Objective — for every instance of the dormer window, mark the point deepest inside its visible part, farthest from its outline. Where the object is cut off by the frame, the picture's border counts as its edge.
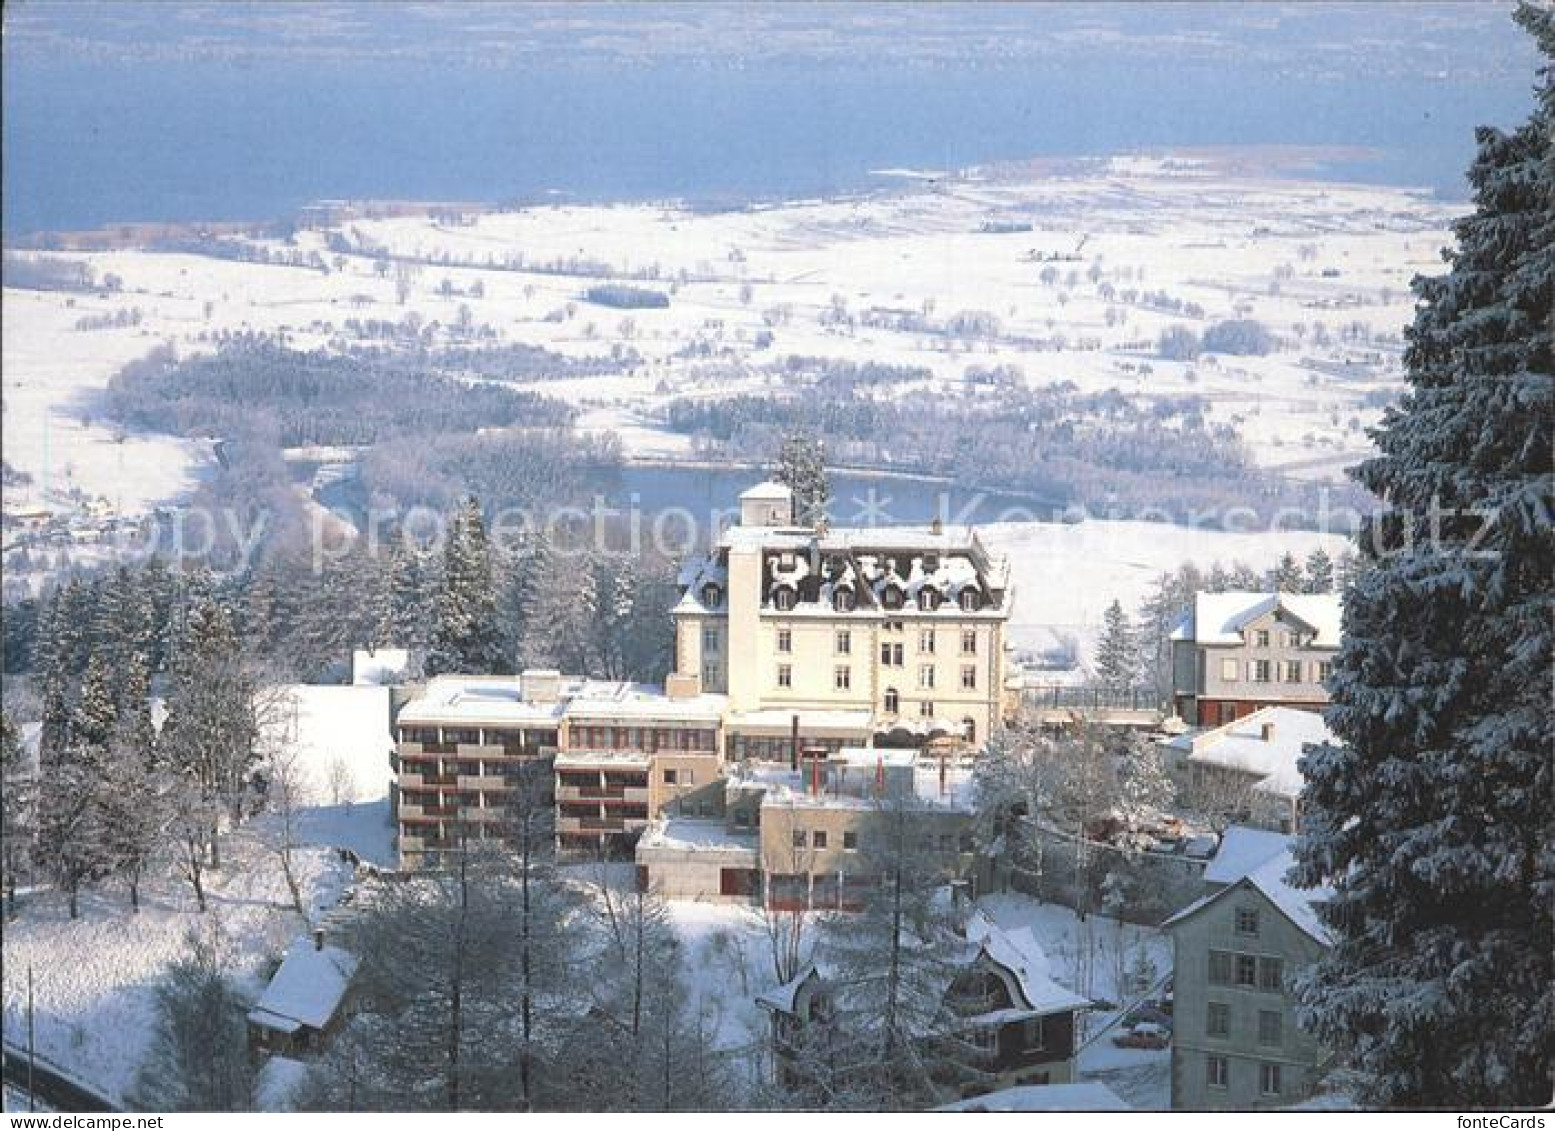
(971, 600)
(783, 598)
(928, 599)
(712, 596)
(892, 597)
(844, 601)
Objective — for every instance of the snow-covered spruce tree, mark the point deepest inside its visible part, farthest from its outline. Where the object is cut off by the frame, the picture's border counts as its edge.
(465, 635)
(211, 734)
(801, 467)
(198, 1060)
(904, 1044)
(1286, 577)
(1320, 572)
(18, 814)
(1117, 654)
(1432, 820)
(454, 971)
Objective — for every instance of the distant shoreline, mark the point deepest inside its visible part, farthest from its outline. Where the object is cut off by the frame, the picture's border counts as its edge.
(1260, 161)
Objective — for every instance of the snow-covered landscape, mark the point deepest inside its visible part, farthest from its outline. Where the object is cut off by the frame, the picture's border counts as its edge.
(786, 558)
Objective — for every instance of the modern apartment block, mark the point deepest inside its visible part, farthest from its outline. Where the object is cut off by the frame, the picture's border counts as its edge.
(1234, 653)
(884, 636)
(473, 751)
(1235, 1041)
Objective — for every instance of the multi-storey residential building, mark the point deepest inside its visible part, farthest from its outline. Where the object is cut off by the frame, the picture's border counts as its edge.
(879, 636)
(1233, 653)
(627, 753)
(1248, 770)
(472, 751)
(1235, 1042)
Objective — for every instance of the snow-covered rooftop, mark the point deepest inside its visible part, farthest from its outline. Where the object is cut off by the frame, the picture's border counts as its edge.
(643, 701)
(1219, 618)
(307, 989)
(497, 700)
(1086, 1095)
(852, 786)
(276, 1086)
(381, 667)
(769, 491)
(1242, 850)
(677, 834)
(1270, 878)
(1268, 743)
(501, 700)
(1018, 951)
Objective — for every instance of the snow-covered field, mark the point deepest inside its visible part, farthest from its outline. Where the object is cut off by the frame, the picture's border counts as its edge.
(1324, 266)
(1065, 575)
(94, 978)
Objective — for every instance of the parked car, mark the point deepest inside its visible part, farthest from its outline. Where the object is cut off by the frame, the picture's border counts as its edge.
(1147, 1013)
(1145, 1035)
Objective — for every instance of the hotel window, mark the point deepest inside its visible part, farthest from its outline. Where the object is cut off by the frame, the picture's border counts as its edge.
(1269, 1079)
(842, 679)
(1261, 638)
(1260, 671)
(969, 641)
(785, 640)
(968, 677)
(844, 643)
(891, 655)
(1217, 1072)
(709, 640)
(926, 676)
(1228, 671)
(1247, 920)
(818, 839)
(926, 641)
(1270, 1028)
(1218, 1022)
(785, 676)
(926, 708)
(893, 701)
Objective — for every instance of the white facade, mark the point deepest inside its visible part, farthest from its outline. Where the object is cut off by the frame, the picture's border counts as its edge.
(896, 633)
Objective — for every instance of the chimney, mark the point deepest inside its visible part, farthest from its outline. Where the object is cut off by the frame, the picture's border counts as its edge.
(318, 939)
(681, 686)
(1268, 732)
